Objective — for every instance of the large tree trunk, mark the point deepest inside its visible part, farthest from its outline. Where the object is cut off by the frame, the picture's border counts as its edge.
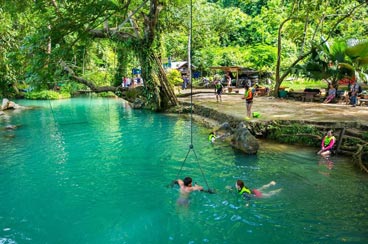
(166, 89)
(159, 93)
(278, 63)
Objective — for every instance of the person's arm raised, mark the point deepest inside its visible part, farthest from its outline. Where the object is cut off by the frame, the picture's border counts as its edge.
(180, 182)
(197, 188)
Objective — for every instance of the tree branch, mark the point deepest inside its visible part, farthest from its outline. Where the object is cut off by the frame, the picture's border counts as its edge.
(88, 83)
(302, 56)
(121, 36)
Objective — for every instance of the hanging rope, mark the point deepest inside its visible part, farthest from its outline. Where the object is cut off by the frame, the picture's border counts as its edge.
(191, 147)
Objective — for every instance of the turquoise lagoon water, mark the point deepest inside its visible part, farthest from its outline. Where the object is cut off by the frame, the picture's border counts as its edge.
(92, 170)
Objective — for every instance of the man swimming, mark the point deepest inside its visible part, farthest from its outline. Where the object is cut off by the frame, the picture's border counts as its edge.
(185, 189)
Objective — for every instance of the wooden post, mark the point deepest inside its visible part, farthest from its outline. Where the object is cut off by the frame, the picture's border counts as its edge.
(342, 132)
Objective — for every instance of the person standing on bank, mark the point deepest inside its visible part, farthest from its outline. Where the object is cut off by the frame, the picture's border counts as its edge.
(248, 96)
(218, 90)
(327, 144)
(354, 90)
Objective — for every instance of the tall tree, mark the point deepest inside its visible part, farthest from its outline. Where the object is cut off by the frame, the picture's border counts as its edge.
(312, 22)
(65, 28)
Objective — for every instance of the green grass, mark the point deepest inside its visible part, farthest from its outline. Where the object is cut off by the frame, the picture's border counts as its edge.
(301, 84)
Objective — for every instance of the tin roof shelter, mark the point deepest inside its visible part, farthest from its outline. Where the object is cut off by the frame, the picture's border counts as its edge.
(236, 69)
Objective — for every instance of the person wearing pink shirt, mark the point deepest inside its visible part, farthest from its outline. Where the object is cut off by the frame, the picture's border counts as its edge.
(327, 144)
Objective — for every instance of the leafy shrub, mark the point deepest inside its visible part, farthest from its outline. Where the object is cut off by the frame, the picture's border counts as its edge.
(70, 87)
(295, 134)
(46, 95)
(174, 77)
(131, 94)
(106, 94)
(100, 77)
(365, 135)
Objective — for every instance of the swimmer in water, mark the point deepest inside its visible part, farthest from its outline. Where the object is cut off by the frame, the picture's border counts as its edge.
(186, 188)
(212, 137)
(247, 193)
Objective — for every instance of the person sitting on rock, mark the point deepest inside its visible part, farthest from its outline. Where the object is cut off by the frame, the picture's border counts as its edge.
(327, 144)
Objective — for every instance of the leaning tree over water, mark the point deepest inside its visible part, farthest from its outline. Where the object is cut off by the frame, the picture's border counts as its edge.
(62, 34)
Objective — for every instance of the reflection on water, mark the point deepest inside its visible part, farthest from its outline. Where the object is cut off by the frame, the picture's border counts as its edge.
(95, 171)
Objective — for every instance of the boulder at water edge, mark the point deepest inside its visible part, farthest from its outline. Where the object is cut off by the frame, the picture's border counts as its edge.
(6, 104)
(138, 103)
(244, 140)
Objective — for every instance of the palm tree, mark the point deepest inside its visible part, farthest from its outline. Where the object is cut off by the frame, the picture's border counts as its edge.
(340, 59)
(357, 51)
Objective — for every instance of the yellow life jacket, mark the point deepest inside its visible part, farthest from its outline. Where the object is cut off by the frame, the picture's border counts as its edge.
(211, 136)
(248, 94)
(245, 190)
(327, 140)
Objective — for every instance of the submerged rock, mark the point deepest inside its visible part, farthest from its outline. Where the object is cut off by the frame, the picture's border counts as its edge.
(10, 127)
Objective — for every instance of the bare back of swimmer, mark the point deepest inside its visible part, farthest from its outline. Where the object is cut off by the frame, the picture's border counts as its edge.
(185, 189)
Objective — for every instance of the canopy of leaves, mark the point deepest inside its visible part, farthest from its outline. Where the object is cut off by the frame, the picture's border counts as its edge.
(97, 40)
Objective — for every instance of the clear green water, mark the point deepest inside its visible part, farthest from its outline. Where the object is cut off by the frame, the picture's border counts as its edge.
(95, 171)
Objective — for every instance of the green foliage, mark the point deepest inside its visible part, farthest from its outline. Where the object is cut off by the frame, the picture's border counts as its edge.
(218, 56)
(365, 136)
(106, 94)
(310, 24)
(252, 7)
(351, 141)
(301, 84)
(174, 77)
(36, 36)
(69, 87)
(263, 56)
(99, 77)
(336, 59)
(9, 60)
(46, 95)
(132, 94)
(295, 134)
(197, 82)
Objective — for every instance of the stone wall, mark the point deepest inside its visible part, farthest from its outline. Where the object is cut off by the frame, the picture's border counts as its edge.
(351, 137)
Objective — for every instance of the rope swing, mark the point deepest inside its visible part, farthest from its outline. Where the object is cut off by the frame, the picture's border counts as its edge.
(191, 147)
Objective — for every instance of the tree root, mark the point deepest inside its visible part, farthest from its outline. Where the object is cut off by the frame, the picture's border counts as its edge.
(357, 157)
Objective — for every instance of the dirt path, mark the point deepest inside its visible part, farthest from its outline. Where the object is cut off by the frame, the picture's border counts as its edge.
(279, 109)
